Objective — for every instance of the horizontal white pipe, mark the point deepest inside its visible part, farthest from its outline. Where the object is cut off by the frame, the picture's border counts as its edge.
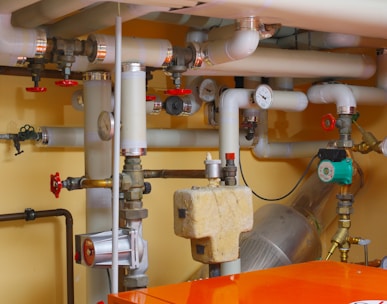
(382, 70)
(147, 51)
(20, 42)
(156, 138)
(265, 149)
(358, 17)
(288, 101)
(271, 62)
(242, 44)
(369, 95)
(324, 40)
(339, 94)
(96, 18)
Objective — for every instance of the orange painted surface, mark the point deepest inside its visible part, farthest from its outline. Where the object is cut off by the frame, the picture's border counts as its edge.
(312, 282)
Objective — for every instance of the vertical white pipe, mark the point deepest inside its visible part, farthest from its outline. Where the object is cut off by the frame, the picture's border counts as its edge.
(230, 102)
(133, 116)
(98, 165)
(116, 156)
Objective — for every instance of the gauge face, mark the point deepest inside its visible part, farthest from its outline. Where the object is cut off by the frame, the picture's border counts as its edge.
(207, 90)
(263, 96)
(326, 171)
(105, 125)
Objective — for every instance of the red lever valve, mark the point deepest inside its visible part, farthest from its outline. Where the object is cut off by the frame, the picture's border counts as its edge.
(178, 92)
(55, 184)
(328, 122)
(36, 89)
(66, 83)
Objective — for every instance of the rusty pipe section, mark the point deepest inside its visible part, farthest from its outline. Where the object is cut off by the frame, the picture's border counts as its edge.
(29, 215)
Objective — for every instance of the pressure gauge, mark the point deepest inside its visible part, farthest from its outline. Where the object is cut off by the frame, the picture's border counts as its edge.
(106, 125)
(207, 90)
(263, 96)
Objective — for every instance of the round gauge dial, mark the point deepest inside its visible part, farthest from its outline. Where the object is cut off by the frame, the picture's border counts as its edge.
(263, 96)
(207, 90)
(326, 171)
(106, 125)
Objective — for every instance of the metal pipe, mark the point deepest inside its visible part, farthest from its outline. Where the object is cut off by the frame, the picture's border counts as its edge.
(31, 214)
(174, 173)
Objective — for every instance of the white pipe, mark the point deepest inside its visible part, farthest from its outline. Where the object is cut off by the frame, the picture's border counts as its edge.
(116, 156)
(323, 40)
(333, 93)
(61, 137)
(243, 43)
(264, 149)
(133, 116)
(294, 63)
(96, 18)
(369, 95)
(98, 165)
(149, 52)
(20, 42)
(358, 17)
(230, 102)
(288, 101)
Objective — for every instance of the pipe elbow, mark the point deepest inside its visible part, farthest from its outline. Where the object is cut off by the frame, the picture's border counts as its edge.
(339, 94)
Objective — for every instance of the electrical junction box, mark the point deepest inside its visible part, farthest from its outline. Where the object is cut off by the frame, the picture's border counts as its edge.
(213, 218)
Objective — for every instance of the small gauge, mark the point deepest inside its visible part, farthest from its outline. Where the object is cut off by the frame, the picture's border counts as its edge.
(326, 171)
(106, 125)
(263, 96)
(207, 90)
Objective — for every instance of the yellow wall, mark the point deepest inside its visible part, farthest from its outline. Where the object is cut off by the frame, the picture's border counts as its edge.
(32, 255)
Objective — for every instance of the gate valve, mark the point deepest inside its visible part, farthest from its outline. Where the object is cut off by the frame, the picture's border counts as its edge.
(66, 83)
(177, 92)
(55, 184)
(328, 122)
(36, 89)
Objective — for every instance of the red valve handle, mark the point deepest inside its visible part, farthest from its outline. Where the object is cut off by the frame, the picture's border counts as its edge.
(178, 92)
(150, 97)
(328, 122)
(66, 83)
(55, 184)
(36, 89)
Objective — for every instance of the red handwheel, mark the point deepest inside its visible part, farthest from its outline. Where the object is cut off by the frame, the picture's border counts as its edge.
(66, 83)
(328, 122)
(55, 184)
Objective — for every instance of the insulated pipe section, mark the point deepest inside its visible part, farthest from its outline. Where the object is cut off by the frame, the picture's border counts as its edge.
(148, 52)
(133, 113)
(230, 102)
(62, 137)
(242, 44)
(17, 42)
(294, 63)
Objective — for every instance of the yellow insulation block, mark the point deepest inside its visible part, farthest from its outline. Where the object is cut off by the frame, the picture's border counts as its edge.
(213, 218)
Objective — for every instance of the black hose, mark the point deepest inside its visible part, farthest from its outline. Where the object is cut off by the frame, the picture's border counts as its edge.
(31, 214)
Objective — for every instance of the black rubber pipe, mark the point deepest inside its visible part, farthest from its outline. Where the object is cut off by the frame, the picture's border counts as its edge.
(31, 214)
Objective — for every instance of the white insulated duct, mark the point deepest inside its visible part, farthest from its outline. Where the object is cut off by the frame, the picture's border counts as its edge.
(324, 40)
(346, 96)
(96, 18)
(98, 165)
(357, 17)
(242, 44)
(16, 42)
(270, 62)
(9, 6)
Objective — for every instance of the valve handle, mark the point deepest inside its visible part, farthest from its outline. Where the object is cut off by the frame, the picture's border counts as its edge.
(150, 97)
(66, 83)
(36, 89)
(328, 122)
(55, 184)
(176, 92)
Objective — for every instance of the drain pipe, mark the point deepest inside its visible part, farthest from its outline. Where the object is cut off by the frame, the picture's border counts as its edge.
(30, 215)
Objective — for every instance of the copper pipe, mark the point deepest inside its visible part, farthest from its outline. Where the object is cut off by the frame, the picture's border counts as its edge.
(96, 183)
